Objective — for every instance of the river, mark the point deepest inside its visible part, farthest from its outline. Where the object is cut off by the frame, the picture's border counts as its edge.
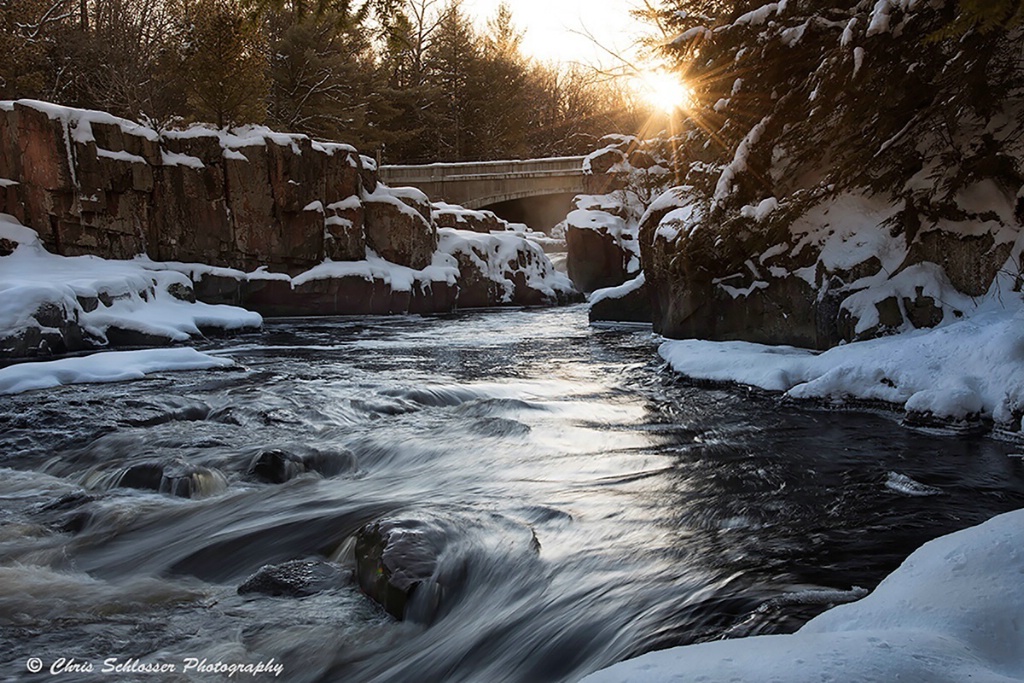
(587, 505)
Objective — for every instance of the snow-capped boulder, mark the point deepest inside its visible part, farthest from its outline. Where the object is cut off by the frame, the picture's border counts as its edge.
(602, 250)
(629, 302)
(458, 217)
(499, 268)
(399, 226)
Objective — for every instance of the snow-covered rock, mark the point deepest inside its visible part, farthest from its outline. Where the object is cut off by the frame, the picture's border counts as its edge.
(92, 183)
(459, 217)
(623, 176)
(628, 302)
(503, 269)
(964, 371)
(950, 613)
(848, 266)
(52, 304)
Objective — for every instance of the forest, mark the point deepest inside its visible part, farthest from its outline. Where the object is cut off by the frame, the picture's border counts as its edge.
(417, 80)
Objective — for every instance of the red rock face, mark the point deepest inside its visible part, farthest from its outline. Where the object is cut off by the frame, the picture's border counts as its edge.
(88, 183)
(399, 228)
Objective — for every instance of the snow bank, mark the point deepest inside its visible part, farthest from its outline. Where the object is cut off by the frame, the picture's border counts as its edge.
(99, 295)
(619, 292)
(950, 613)
(970, 368)
(109, 366)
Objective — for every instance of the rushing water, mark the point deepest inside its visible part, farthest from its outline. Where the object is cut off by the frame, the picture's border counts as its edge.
(665, 512)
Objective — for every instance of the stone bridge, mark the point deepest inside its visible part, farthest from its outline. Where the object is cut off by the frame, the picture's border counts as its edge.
(480, 184)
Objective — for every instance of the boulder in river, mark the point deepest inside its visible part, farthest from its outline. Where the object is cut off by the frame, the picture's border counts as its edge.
(276, 465)
(177, 478)
(392, 559)
(629, 302)
(295, 579)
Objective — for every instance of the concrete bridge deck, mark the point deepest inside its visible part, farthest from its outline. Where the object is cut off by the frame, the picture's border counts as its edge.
(480, 184)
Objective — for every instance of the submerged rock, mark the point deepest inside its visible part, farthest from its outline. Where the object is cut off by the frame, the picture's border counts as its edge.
(278, 466)
(393, 559)
(419, 567)
(177, 478)
(68, 514)
(295, 579)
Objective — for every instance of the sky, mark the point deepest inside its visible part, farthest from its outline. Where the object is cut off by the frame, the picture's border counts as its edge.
(549, 26)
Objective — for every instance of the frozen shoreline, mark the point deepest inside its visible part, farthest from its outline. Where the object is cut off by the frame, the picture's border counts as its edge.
(949, 613)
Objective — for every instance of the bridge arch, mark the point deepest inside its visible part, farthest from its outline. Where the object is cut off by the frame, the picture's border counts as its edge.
(489, 184)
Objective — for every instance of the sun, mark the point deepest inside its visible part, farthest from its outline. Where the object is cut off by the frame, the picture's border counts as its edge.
(665, 91)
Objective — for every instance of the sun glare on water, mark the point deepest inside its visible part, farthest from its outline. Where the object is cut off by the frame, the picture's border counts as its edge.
(665, 91)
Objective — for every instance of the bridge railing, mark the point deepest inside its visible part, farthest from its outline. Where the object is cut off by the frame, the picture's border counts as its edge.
(442, 172)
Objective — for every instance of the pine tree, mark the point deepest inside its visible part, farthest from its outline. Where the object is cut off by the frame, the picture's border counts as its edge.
(797, 99)
(223, 69)
(320, 73)
(453, 56)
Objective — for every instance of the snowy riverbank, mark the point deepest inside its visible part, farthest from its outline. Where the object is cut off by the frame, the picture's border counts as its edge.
(50, 303)
(961, 372)
(950, 613)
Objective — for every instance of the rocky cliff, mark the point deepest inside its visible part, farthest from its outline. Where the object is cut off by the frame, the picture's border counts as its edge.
(280, 224)
(871, 186)
(90, 183)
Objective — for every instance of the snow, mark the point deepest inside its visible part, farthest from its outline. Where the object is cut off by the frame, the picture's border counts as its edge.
(950, 613)
(394, 196)
(762, 210)
(119, 156)
(128, 295)
(109, 366)
(849, 229)
(847, 36)
(858, 60)
(80, 121)
(681, 221)
(399, 278)
(618, 292)
(972, 367)
(740, 161)
(347, 204)
(879, 22)
(760, 15)
(176, 159)
(587, 219)
(464, 216)
(692, 34)
(791, 37)
(499, 255)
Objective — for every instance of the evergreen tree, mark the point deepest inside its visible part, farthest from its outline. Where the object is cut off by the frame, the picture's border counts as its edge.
(798, 100)
(452, 63)
(320, 73)
(223, 68)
